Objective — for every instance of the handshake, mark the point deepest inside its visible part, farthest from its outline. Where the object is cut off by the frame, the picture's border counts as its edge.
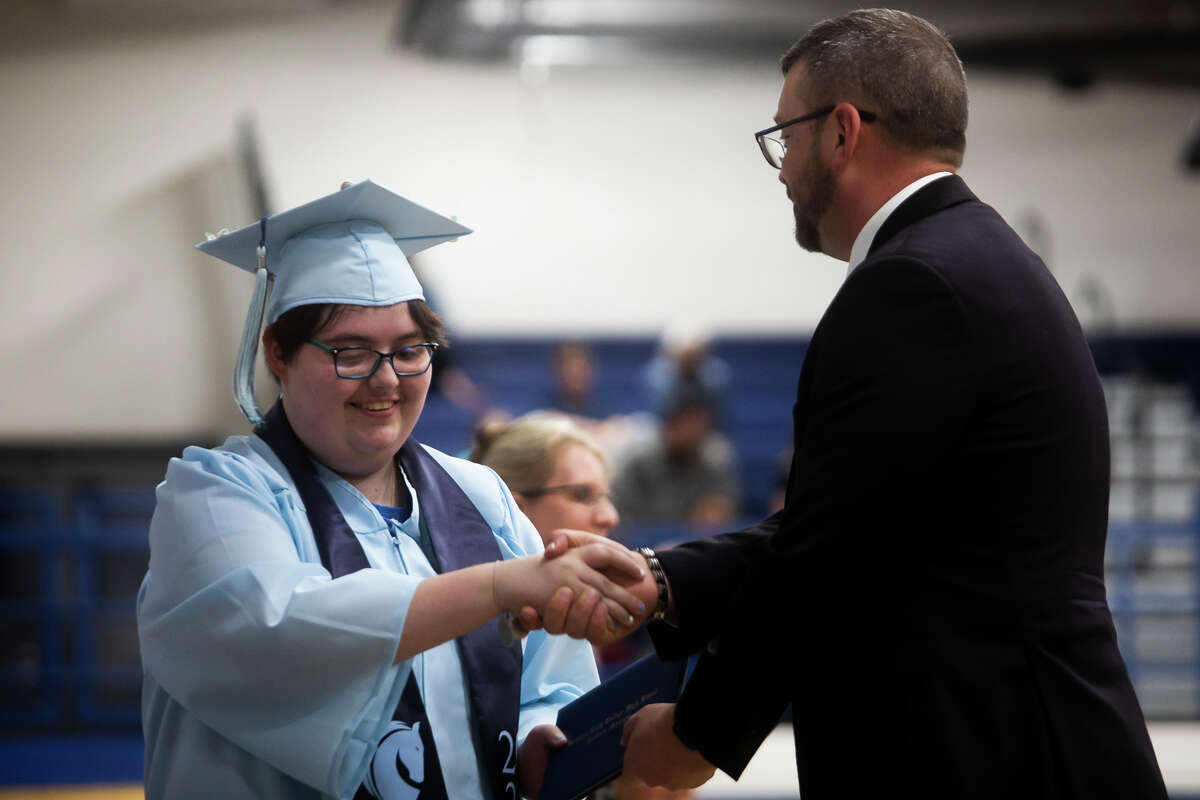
(585, 586)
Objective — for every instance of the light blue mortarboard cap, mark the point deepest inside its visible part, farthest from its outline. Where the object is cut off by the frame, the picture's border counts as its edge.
(350, 247)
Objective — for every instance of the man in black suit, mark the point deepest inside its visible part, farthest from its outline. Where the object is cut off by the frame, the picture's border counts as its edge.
(930, 600)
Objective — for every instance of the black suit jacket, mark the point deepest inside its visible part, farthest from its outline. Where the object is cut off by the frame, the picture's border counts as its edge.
(930, 600)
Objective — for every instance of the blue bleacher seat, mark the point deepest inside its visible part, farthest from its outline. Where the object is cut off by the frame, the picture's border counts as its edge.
(32, 609)
(1144, 612)
(111, 527)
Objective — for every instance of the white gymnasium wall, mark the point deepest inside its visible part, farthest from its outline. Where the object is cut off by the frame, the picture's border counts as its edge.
(604, 201)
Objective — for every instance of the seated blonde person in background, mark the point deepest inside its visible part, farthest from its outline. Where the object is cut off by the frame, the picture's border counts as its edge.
(558, 476)
(554, 469)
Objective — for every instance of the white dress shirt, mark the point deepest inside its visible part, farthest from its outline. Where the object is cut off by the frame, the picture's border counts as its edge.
(862, 242)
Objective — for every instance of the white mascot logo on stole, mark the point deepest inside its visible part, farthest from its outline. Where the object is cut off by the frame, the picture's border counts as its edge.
(398, 769)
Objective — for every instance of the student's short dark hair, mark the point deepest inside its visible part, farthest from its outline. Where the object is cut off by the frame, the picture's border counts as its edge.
(895, 64)
(297, 325)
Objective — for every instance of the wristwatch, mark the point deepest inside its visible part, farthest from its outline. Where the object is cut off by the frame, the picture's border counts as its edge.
(660, 581)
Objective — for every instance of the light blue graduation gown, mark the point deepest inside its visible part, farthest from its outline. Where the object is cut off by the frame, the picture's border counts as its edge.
(264, 678)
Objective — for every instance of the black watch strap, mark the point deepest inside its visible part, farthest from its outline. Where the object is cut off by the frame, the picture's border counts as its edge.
(660, 581)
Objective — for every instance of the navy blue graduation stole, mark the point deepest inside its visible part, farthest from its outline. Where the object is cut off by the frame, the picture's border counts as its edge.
(460, 538)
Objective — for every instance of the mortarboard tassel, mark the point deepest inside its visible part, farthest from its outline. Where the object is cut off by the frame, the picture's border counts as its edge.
(243, 373)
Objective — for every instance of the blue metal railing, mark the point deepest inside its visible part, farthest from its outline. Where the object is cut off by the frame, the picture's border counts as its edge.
(108, 523)
(1173, 606)
(33, 609)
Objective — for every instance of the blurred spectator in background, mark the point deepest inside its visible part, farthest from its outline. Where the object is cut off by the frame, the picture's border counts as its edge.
(448, 379)
(453, 383)
(682, 366)
(574, 394)
(557, 473)
(574, 389)
(685, 474)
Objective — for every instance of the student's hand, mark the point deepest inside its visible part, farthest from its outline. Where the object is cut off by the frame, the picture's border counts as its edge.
(654, 754)
(533, 755)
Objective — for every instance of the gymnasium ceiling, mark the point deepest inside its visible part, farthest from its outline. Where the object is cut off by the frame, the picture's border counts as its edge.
(1077, 42)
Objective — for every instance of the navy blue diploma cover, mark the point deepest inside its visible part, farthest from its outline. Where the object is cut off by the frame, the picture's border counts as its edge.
(593, 724)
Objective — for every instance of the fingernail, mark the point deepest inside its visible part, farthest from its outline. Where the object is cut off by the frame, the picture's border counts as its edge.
(560, 739)
(641, 607)
(630, 622)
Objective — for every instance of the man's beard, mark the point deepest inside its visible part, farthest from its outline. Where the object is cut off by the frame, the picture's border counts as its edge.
(809, 209)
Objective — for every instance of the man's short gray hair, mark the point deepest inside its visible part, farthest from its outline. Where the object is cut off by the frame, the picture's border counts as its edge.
(895, 64)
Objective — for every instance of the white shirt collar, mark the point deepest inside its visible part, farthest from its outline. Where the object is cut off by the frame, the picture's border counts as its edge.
(862, 242)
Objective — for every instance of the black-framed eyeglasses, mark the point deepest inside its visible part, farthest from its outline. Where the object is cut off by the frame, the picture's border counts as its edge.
(775, 148)
(360, 363)
(586, 493)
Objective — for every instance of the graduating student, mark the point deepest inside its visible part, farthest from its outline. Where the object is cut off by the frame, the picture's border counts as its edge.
(313, 620)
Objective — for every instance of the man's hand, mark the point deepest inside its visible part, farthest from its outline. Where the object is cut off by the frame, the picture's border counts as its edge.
(585, 617)
(532, 757)
(654, 754)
